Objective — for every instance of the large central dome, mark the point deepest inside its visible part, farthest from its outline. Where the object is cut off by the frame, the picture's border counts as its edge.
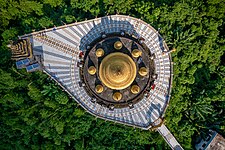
(117, 71)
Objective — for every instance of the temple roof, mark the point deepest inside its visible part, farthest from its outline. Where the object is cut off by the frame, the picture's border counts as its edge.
(61, 49)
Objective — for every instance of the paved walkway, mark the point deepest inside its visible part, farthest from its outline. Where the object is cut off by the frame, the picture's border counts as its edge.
(169, 138)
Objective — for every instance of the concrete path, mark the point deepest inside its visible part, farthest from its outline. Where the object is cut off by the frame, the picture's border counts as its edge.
(169, 138)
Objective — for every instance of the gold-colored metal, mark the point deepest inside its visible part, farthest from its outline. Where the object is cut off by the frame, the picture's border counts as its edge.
(136, 53)
(99, 52)
(92, 70)
(99, 88)
(173, 50)
(135, 89)
(117, 96)
(118, 45)
(143, 71)
(117, 71)
(21, 49)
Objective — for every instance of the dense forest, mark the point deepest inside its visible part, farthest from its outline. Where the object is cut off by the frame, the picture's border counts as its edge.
(36, 114)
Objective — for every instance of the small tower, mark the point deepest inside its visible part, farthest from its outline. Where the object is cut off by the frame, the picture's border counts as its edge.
(22, 52)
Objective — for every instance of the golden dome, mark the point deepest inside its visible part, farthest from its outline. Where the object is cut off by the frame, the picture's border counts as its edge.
(117, 71)
(143, 71)
(135, 89)
(99, 52)
(136, 53)
(117, 96)
(99, 88)
(92, 70)
(118, 45)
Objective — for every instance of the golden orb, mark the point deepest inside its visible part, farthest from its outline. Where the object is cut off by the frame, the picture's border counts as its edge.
(99, 88)
(117, 96)
(143, 71)
(136, 53)
(92, 70)
(135, 89)
(117, 71)
(99, 52)
(118, 45)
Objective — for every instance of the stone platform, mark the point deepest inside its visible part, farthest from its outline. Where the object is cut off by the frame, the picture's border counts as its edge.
(60, 50)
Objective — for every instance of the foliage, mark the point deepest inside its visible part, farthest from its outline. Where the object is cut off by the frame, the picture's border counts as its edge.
(36, 114)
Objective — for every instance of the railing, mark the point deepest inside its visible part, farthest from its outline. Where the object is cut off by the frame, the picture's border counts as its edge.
(52, 42)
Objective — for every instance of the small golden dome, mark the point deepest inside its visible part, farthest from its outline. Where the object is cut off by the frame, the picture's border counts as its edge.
(92, 70)
(117, 96)
(99, 52)
(99, 88)
(143, 71)
(118, 45)
(135, 89)
(136, 53)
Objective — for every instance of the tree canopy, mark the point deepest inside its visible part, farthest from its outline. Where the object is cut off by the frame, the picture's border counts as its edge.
(37, 114)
